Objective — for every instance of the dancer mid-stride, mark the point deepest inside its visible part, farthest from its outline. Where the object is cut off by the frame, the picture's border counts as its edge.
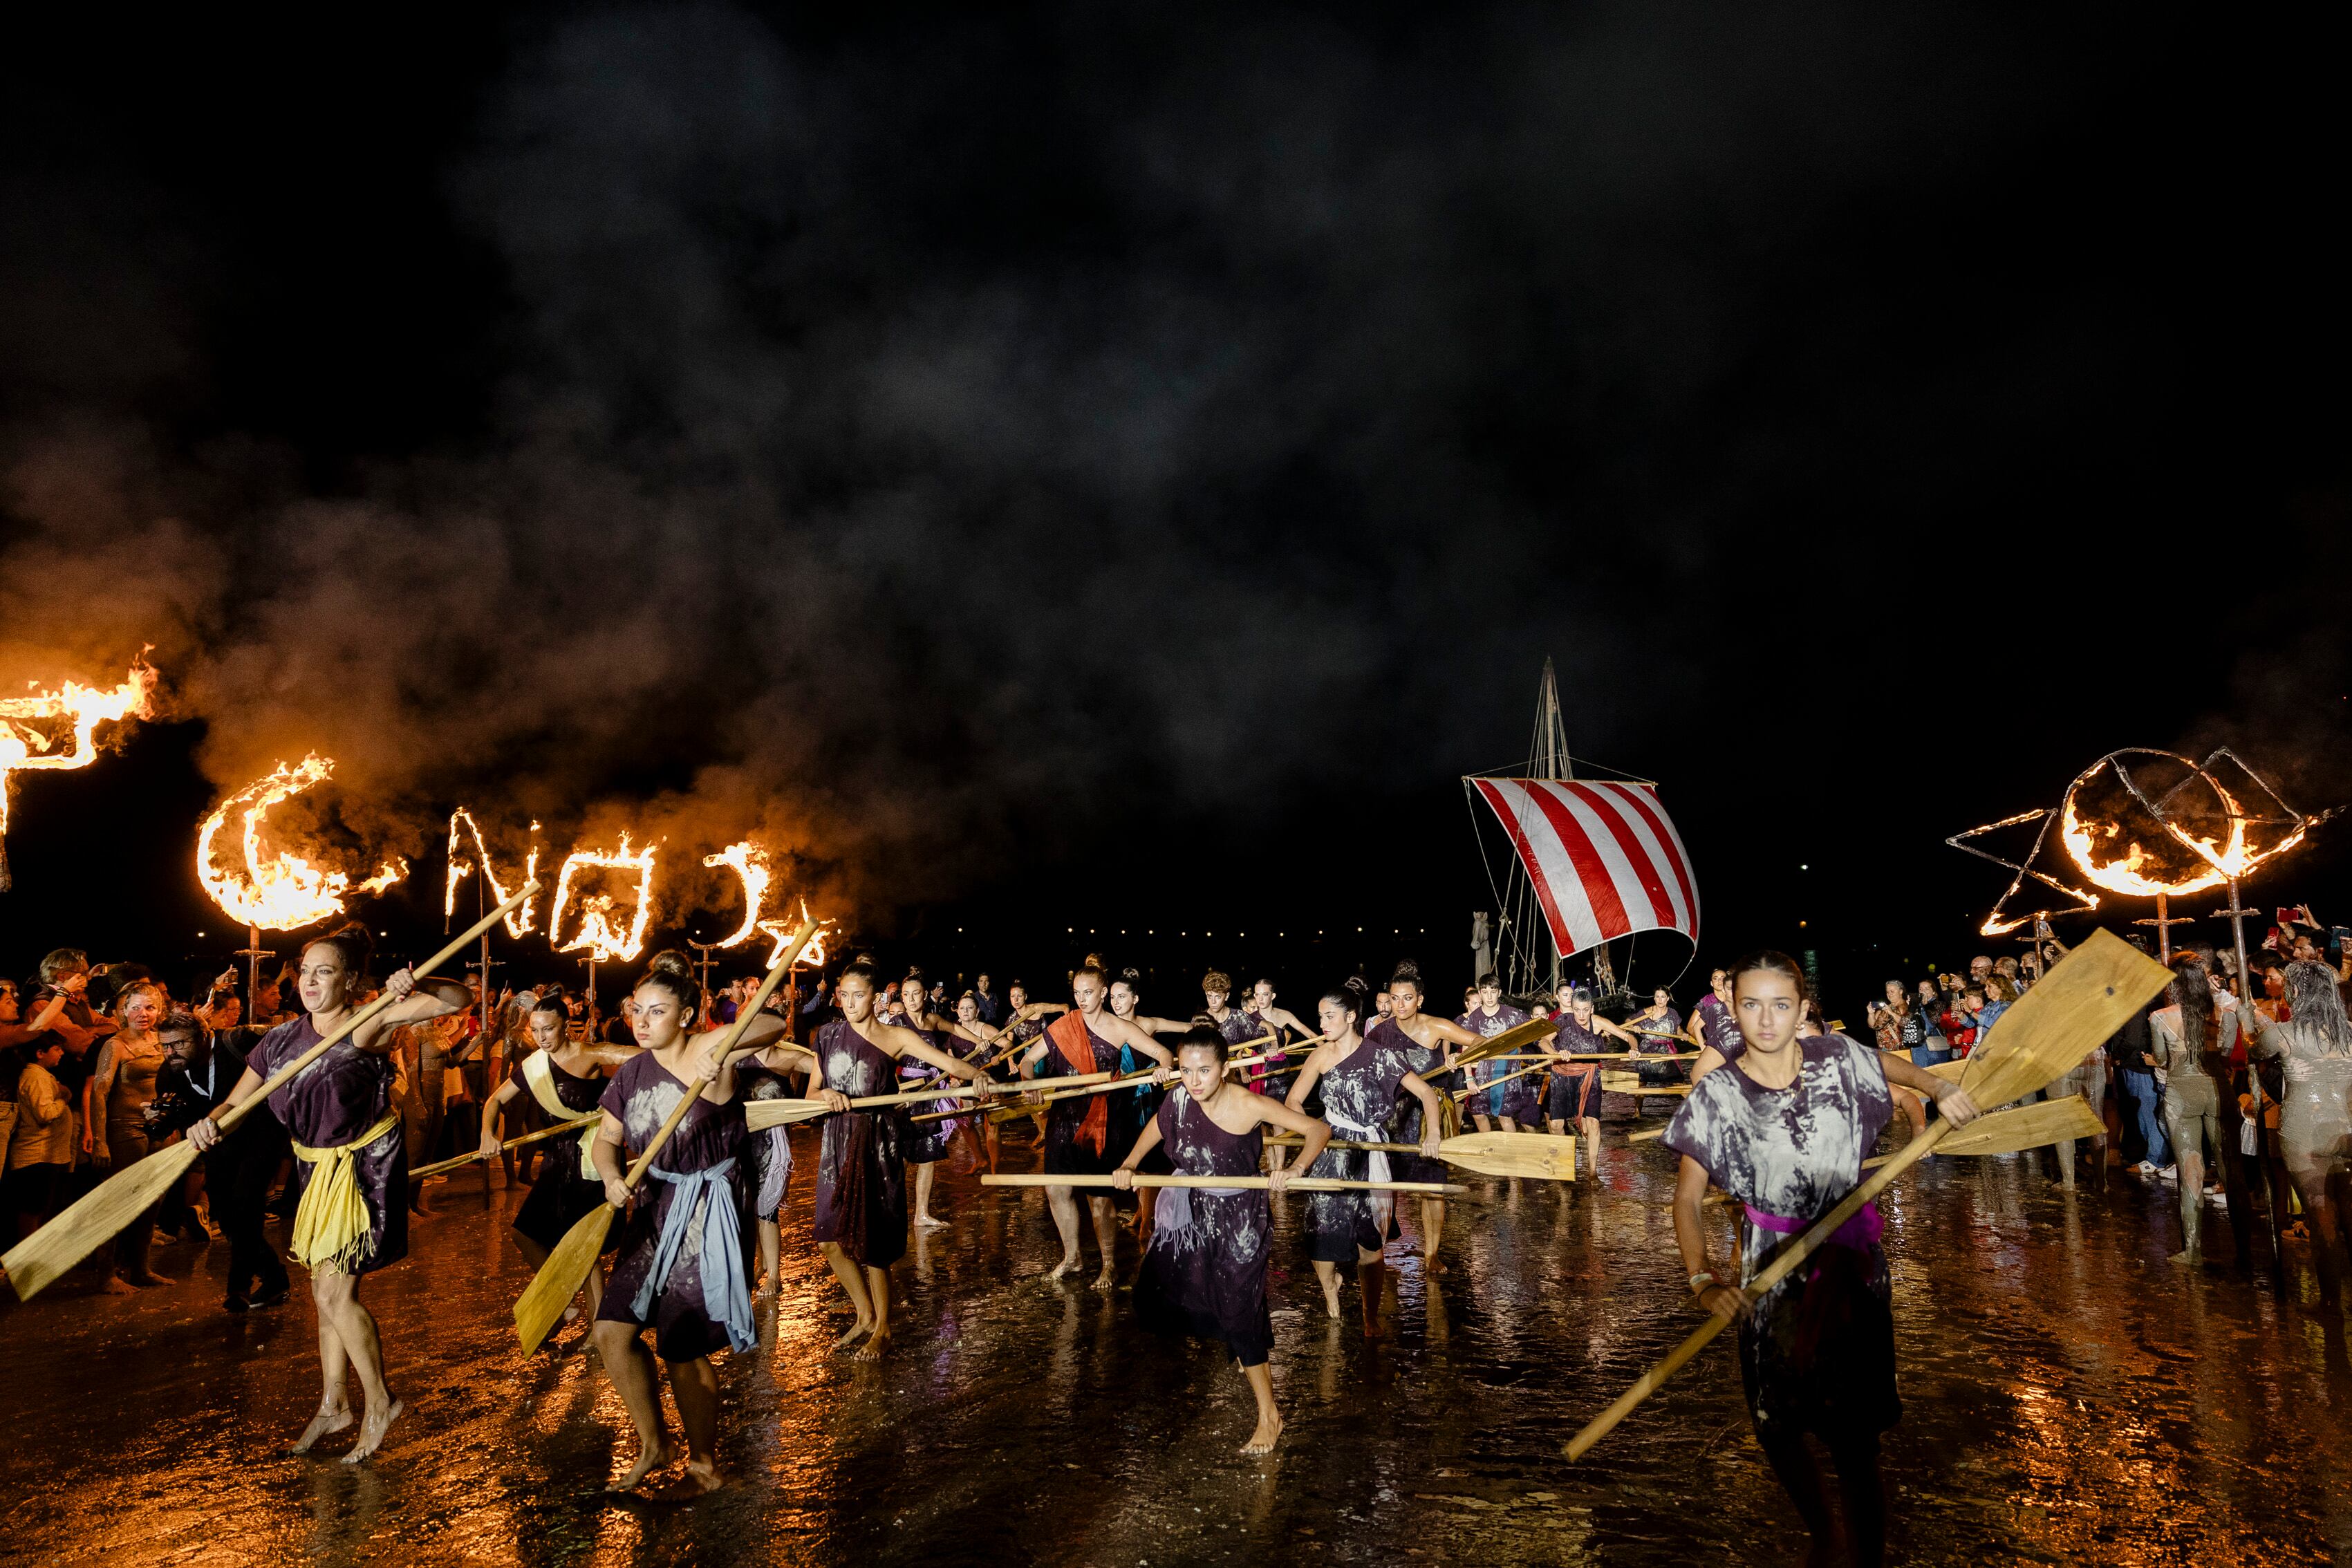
(1204, 1270)
(350, 1159)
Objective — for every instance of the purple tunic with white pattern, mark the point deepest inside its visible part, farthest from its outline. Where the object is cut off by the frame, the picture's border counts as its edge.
(329, 1103)
(1205, 1271)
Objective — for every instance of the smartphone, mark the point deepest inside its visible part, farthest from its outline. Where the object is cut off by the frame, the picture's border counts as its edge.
(2340, 938)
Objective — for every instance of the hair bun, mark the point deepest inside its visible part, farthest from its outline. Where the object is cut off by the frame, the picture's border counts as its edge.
(669, 961)
(1132, 977)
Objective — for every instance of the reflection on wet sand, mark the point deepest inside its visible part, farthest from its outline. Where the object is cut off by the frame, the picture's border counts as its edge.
(2069, 1397)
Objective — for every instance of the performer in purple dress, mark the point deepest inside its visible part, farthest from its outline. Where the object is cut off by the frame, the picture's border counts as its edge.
(1428, 1044)
(565, 1079)
(927, 1143)
(681, 1264)
(351, 1162)
(1713, 1029)
(1079, 1139)
(1574, 1092)
(1785, 1131)
(1360, 1077)
(861, 1175)
(1514, 1104)
(1205, 1271)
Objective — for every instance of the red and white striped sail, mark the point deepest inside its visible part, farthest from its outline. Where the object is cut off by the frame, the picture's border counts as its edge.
(1604, 859)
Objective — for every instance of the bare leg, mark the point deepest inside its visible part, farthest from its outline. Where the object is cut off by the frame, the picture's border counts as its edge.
(1509, 1124)
(696, 1388)
(924, 1176)
(1269, 1419)
(1147, 1206)
(1371, 1278)
(845, 1268)
(1485, 1123)
(877, 1289)
(988, 1140)
(1328, 1276)
(337, 1298)
(1801, 1480)
(1433, 1231)
(631, 1368)
(1593, 1147)
(1064, 1201)
(1107, 1238)
(334, 1405)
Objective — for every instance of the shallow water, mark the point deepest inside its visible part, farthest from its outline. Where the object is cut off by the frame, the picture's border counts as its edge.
(2070, 1397)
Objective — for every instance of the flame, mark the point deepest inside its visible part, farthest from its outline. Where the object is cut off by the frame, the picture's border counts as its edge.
(518, 923)
(596, 931)
(780, 932)
(24, 748)
(751, 863)
(284, 891)
(2124, 875)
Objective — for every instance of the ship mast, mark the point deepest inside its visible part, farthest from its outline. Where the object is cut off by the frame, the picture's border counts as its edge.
(1547, 758)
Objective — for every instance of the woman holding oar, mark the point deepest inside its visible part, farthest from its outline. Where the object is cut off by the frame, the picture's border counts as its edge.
(1514, 1104)
(861, 1177)
(1784, 1130)
(678, 1265)
(1362, 1079)
(1428, 1044)
(1204, 1272)
(350, 1159)
(933, 1142)
(565, 1078)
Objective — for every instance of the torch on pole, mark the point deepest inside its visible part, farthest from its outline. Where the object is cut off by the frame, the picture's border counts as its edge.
(2247, 1023)
(2164, 922)
(253, 952)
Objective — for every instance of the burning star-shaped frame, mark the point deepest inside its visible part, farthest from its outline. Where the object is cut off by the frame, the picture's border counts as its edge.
(2198, 823)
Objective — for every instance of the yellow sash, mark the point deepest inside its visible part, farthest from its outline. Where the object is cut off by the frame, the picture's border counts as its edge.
(539, 1073)
(331, 1224)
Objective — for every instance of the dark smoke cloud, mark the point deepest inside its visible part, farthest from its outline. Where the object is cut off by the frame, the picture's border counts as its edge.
(921, 452)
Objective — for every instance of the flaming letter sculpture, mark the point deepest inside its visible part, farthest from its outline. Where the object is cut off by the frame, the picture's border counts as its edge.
(751, 863)
(25, 748)
(596, 930)
(278, 892)
(519, 922)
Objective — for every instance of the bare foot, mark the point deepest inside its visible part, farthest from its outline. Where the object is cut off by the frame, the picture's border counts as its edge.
(1331, 1297)
(371, 1433)
(858, 1330)
(1108, 1279)
(115, 1284)
(324, 1421)
(2189, 1259)
(1068, 1266)
(149, 1280)
(929, 1221)
(876, 1346)
(1262, 1441)
(1433, 1266)
(648, 1461)
(694, 1482)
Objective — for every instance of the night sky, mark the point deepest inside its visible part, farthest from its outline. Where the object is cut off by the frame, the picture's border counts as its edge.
(1115, 468)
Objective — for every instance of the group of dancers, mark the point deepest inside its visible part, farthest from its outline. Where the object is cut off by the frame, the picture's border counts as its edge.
(1781, 1117)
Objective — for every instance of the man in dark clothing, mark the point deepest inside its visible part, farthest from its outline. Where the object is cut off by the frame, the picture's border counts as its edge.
(194, 1083)
(2141, 1113)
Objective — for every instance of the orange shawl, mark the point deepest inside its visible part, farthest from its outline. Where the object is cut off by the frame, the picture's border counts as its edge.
(1076, 1044)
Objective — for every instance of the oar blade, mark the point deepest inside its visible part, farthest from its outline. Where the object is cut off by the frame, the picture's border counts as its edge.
(1516, 1038)
(1537, 1156)
(94, 1218)
(2023, 1127)
(560, 1278)
(2090, 994)
(759, 1115)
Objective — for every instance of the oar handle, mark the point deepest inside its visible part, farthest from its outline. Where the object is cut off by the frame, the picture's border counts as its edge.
(224, 1120)
(1259, 1184)
(558, 1130)
(750, 1010)
(1461, 1095)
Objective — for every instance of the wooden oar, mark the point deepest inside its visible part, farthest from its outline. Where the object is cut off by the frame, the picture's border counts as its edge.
(2085, 997)
(1501, 1044)
(1539, 1156)
(1108, 1085)
(558, 1130)
(762, 1114)
(1580, 1057)
(2010, 1132)
(1296, 1184)
(102, 1211)
(542, 1304)
(1462, 1095)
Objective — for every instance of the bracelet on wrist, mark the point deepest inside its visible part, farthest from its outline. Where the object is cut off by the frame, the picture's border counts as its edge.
(1700, 1281)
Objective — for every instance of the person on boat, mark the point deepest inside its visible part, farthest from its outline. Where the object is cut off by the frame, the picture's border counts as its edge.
(1785, 1134)
(1572, 1093)
(1428, 1044)
(1360, 1077)
(565, 1078)
(680, 1264)
(861, 1180)
(351, 1162)
(1513, 1104)
(1204, 1270)
(1084, 1040)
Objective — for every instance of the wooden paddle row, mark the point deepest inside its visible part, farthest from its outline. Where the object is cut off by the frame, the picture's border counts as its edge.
(1246, 1184)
